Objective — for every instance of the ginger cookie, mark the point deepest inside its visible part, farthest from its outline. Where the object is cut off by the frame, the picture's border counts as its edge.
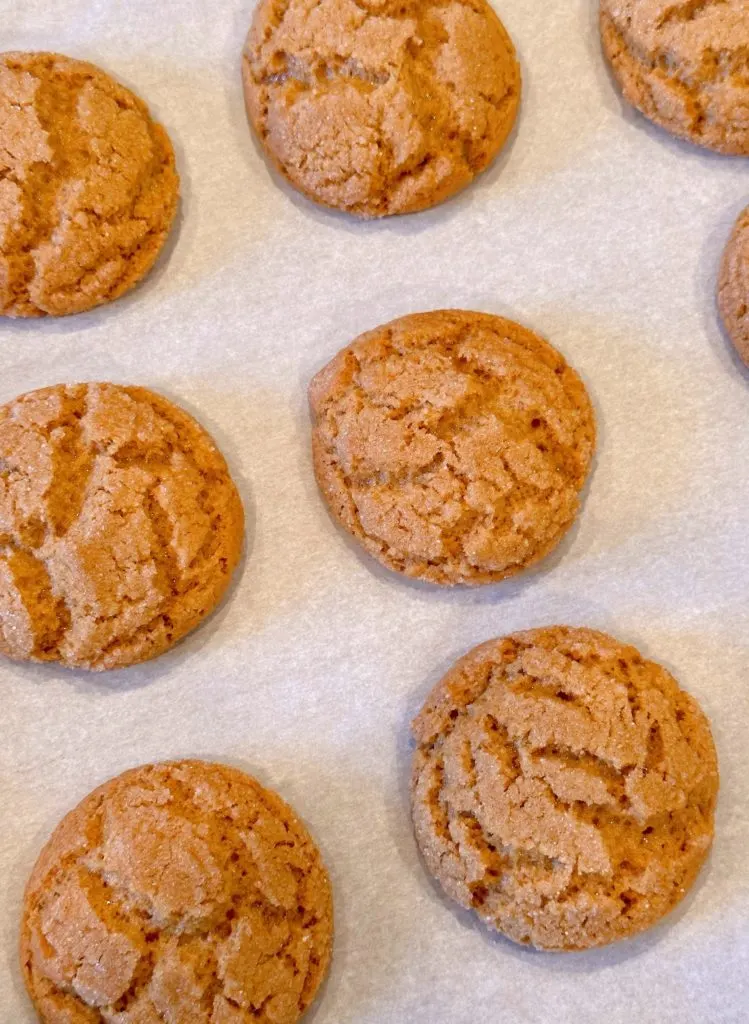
(181, 892)
(379, 107)
(683, 65)
(563, 787)
(120, 526)
(733, 288)
(452, 445)
(88, 186)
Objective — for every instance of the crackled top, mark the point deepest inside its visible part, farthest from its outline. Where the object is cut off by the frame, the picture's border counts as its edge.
(119, 525)
(380, 106)
(563, 787)
(685, 65)
(452, 445)
(88, 186)
(733, 288)
(180, 892)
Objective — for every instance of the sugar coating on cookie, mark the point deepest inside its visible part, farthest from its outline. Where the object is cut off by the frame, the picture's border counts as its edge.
(181, 892)
(380, 107)
(88, 186)
(563, 787)
(120, 525)
(683, 64)
(452, 445)
(733, 287)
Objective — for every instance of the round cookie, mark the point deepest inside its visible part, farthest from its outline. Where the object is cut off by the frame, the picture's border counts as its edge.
(563, 787)
(88, 186)
(380, 107)
(733, 287)
(452, 445)
(120, 526)
(683, 65)
(181, 892)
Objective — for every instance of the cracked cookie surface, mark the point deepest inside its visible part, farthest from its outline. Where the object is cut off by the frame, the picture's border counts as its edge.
(685, 65)
(563, 787)
(380, 107)
(452, 445)
(120, 525)
(733, 287)
(88, 186)
(181, 892)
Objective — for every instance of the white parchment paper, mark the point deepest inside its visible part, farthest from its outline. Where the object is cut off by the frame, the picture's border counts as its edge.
(594, 229)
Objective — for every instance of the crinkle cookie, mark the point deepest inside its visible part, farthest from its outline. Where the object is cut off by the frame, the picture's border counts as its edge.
(379, 107)
(452, 445)
(88, 186)
(733, 287)
(120, 526)
(181, 892)
(563, 787)
(685, 65)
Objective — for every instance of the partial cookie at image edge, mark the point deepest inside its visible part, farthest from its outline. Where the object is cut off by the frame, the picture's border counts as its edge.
(110, 906)
(733, 287)
(654, 87)
(120, 526)
(89, 186)
(368, 149)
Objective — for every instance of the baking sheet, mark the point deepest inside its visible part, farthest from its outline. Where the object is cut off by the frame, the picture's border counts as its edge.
(594, 229)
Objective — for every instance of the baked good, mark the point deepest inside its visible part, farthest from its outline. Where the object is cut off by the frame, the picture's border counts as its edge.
(379, 107)
(733, 287)
(683, 64)
(88, 186)
(181, 892)
(452, 445)
(563, 787)
(120, 526)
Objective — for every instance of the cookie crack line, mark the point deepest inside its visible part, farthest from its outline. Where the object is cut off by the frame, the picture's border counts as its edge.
(685, 12)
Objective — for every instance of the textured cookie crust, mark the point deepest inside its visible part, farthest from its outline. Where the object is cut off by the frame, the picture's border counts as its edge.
(452, 445)
(180, 892)
(88, 187)
(379, 107)
(119, 525)
(563, 787)
(733, 287)
(685, 65)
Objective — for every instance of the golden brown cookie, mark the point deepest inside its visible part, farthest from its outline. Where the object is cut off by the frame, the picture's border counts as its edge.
(88, 186)
(378, 107)
(733, 287)
(181, 892)
(120, 526)
(452, 445)
(563, 787)
(683, 64)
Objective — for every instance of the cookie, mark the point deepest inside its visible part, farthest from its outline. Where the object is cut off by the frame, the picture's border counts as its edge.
(733, 287)
(452, 445)
(120, 526)
(379, 107)
(563, 787)
(88, 186)
(683, 65)
(181, 892)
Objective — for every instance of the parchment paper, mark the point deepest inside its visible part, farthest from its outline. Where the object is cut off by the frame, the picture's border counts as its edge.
(594, 229)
